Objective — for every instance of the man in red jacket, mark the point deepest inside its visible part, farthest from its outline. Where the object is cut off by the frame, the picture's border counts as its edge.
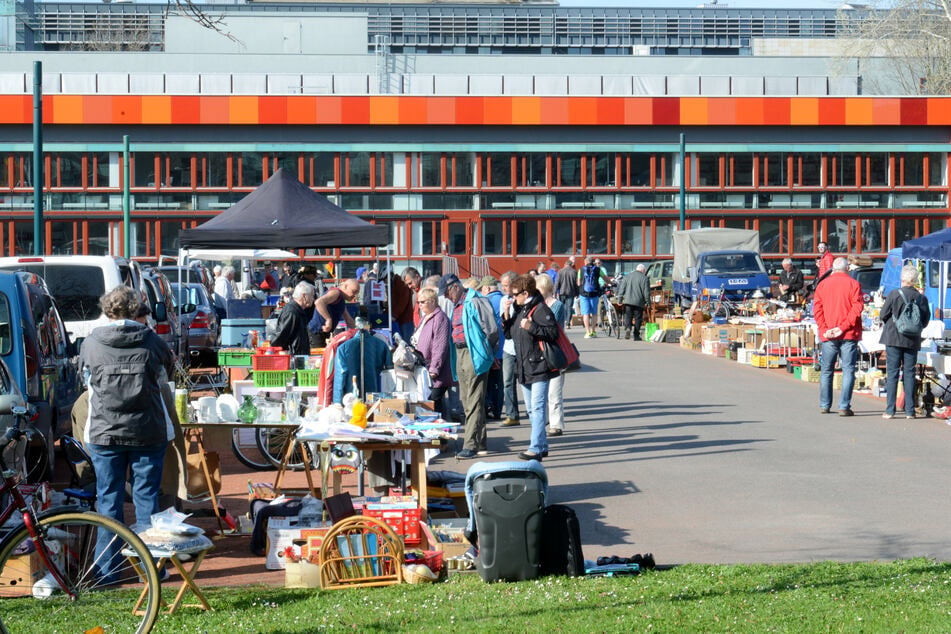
(838, 311)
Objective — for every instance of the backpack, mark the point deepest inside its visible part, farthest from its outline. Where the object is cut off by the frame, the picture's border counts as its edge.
(591, 281)
(561, 552)
(909, 322)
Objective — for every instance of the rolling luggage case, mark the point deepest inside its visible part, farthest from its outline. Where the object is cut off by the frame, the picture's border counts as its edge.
(507, 507)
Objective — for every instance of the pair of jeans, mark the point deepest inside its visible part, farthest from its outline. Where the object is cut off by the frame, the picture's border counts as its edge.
(111, 464)
(569, 302)
(509, 387)
(904, 360)
(633, 314)
(846, 351)
(536, 402)
(556, 402)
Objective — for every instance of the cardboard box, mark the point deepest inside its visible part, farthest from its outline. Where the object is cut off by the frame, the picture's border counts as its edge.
(706, 346)
(301, 574)
(390, 410)
(19, 575)
(285, 532)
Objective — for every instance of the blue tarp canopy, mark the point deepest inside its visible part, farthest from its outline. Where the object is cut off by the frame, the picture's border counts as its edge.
(934, 246)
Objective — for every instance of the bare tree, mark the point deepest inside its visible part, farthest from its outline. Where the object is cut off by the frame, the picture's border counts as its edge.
(194, 12)
(907, 42)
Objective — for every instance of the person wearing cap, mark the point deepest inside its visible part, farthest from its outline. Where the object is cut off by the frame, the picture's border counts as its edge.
(489, 287)
(474, 335)
(330, 309)
(566, 288)
(634, 293)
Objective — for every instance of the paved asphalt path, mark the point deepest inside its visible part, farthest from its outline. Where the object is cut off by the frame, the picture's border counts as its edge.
(699, 459)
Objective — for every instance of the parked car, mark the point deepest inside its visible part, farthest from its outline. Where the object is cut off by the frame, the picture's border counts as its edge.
(77, 282)
(196, 312)
(660, 274)
(38, 354)
(194, 272)
(869, 277)
(164, 319)
(12, 397)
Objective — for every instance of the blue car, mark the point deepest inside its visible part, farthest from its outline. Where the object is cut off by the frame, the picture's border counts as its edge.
(37, 350)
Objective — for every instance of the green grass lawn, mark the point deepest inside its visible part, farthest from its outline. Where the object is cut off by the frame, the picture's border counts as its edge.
(904, 596)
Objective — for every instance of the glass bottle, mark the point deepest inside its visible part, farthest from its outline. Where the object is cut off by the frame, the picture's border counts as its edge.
(248, 412)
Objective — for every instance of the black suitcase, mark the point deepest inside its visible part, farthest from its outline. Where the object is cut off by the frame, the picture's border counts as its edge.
(507, 509)
(561, 542)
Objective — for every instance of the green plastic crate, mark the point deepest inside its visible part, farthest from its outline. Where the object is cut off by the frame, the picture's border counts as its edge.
(235, 358)
(308, 378)
(272, 378)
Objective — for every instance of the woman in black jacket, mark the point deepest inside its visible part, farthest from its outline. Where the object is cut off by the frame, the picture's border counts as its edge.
(527, 324)
(901, 350)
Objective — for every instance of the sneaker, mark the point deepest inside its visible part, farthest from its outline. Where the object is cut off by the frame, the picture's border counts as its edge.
(594, 335)
(846, 412)
(888, 416)
(823, 410)
(627, 334)
(588, 335)
(465, 454)
(510, 422)
(910, 416)
(554, 431)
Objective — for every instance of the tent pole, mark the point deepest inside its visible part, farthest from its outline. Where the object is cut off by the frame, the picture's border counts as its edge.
(389, 291)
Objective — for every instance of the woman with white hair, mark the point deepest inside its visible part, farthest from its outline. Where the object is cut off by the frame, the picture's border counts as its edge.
(901, 348)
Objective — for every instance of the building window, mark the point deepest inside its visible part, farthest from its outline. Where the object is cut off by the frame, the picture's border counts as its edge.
(665, 236)
(143, 169)
(741, 170)
(178, 170)
(425, 237)
(876, 169)
(770, 238)
(706, 170)
(492, 237)
(250, 169)
(936, 169)
(357, 169)
(463, 170)
(603, 170)
(569, 170)
(532, 170)
(635, 237)
(562, 237)
(457, 238)
(841, 170)
(497, 170)
(430, 168)
(774, 170)
(528, 239)
(810, 172)
(597, 236)
(67, 170)
(322, 172)
(804, 235)
(639, 174)
(214, 170)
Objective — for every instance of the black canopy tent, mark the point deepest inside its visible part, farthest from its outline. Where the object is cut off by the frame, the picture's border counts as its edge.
(283, 213)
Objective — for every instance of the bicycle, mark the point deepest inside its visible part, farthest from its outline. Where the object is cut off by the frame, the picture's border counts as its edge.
(608, 319)
(718, 306)
(69, 559)
(246, 447)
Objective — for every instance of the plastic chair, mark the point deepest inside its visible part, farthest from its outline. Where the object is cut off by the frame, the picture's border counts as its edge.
(82, 474)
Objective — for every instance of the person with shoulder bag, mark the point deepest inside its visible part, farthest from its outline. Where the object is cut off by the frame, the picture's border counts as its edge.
(431, 341)
(529, 327)
(904, 315)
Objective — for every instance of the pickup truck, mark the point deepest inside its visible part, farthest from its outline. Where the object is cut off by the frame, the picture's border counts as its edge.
(708, 260)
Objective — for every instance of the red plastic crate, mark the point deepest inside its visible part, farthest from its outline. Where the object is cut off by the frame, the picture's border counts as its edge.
(404, 522)
(269, 362)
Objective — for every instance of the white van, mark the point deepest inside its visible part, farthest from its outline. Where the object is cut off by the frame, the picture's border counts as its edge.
(77, 282)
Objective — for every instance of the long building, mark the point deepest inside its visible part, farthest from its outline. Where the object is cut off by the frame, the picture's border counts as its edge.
(485, 160)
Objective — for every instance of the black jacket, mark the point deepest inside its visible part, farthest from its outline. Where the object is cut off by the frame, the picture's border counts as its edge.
(530, 366)
(292, 332)
(125, 362)
(892, 307)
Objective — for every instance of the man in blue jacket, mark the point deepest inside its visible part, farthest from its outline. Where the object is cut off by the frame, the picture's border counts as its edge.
(475, 337)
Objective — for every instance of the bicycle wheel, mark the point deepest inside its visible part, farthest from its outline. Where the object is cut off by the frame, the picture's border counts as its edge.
(101, 595)
(272, 442)
(244, 444)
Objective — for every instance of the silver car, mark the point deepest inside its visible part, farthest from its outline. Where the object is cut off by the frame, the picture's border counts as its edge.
(200, 322)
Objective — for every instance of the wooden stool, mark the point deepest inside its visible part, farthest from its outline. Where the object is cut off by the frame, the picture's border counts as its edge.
(188, 577)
